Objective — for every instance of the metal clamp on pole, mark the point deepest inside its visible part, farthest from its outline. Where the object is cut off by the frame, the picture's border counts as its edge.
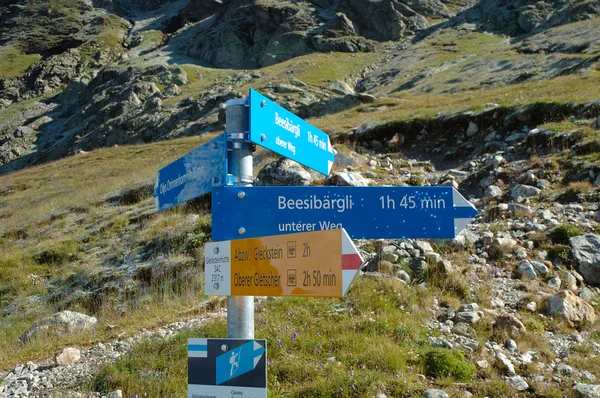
(240, 309)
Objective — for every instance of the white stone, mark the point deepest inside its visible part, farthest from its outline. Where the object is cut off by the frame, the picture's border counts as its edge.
(518, 383)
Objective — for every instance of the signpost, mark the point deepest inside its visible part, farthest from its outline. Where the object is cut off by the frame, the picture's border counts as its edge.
(279, 130)
(192, 175)
(309, 264)
(365, 212)
(225, 368)
(283, 241)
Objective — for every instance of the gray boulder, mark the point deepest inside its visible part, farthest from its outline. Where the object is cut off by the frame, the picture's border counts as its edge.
(429, 8)
(493, 191)
(64, 322)
(567, 306)
(435, 393)
(344, 179)
(520, 192)
(467, 317)
(341, 88)
(586, 250)
(283, 172)
(526, 270)
(587, 390)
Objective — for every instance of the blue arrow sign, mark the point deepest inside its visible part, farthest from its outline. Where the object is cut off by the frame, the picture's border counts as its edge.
(192, 175)
(279, 130)
(365, 212)
(238, 361)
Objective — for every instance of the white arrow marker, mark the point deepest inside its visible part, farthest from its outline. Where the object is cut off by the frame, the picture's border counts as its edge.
(351, 261)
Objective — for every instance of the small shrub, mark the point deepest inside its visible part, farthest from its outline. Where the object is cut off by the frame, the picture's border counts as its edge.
(57, 255)
(562, 233)
(496, 389)
(575, 192)
(440, 362)
(435, 276)
(562, 253)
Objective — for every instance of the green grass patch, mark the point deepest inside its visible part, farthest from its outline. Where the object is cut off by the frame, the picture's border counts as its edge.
(446, 363)
(562, 233)
(317, 347)
(13, 62)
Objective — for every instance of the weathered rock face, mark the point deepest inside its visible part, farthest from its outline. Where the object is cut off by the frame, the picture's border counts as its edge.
(117, 106)
(59, 323)
(586, 250)
(567, 306)
(248, 34)
(516, 17)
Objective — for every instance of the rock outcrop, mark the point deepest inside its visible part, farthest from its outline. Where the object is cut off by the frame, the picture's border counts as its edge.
(586, 250)
(60, 323)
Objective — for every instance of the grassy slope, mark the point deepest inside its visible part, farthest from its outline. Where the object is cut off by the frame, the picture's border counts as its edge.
(55, 227)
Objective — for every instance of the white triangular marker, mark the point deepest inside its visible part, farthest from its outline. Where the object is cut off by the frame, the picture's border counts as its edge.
(351, 261)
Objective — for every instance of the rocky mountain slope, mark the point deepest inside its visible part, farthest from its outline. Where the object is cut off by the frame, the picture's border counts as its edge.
(496, 98)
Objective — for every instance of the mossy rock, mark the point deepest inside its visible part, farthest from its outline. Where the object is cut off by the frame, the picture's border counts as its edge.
(441, 362)
(562, 233)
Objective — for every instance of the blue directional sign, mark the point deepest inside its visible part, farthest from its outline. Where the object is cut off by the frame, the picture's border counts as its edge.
(222, 368)
(239, 361)
(192, 175)
(365, 212)
(279, 130)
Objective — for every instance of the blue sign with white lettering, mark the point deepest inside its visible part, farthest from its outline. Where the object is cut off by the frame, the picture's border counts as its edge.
(279, 130)
(192, 175)
(365, 212)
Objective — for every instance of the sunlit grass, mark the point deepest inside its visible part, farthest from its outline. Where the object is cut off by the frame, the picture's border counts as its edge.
(406, 105)
(13, 62)
(370, 341)
(82, 180)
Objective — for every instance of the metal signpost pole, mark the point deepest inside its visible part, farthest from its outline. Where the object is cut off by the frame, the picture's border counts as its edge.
(240, 309)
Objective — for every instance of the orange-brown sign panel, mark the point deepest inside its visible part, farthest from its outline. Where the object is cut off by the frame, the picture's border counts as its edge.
(304, 264)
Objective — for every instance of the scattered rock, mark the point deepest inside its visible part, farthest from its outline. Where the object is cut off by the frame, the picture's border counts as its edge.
(472, 129)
